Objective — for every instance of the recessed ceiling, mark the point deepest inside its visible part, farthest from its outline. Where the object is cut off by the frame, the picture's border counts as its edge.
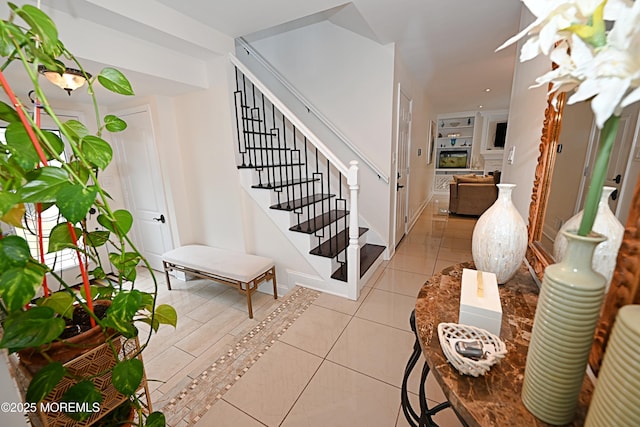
(447, 45)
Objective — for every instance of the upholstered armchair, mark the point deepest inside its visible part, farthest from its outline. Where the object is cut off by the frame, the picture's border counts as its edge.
(472, 194)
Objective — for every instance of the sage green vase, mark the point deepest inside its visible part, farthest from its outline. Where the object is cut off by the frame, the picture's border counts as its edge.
(566, 317)
(616, 398)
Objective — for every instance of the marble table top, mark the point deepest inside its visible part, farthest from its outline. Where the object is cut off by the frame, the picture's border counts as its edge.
(492, 399)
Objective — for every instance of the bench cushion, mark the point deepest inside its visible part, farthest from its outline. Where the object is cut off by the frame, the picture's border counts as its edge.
(221, 262)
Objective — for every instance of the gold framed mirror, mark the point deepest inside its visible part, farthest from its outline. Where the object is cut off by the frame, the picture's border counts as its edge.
(537, 256)
(625, 284)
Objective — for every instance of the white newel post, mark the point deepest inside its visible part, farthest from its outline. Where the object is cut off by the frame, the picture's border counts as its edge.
(353, 251)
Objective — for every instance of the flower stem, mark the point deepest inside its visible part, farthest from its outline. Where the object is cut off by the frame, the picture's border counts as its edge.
(607, 139)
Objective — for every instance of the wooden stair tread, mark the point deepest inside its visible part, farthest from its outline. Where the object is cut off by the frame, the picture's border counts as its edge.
(283, 184)
(267, 149)
(333, 246)
(319, 222)
(300, 203)
(369, 253)
(281, 165)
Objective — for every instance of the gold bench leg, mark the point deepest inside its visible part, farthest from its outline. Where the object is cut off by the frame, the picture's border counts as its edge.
(166, 273)
(275, 285)
(249, 299)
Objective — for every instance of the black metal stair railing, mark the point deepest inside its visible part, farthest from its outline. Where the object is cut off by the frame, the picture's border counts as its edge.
(305, 182)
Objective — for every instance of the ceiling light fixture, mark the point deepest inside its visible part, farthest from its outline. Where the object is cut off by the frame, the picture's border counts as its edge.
(488, 89)
(70, 80)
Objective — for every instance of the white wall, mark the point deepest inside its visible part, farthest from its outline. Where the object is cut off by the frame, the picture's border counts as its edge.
(205, 137)
(348, 78)
(526, 116)
(421, 174)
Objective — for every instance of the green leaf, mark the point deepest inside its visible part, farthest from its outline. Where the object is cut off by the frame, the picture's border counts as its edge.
(9, 32)
(7, 201)
(74, 201)
(97, 151)
(155, 325)
(75, 129)
(97, 292)
(98, 273)
(61, 302)
(80, 170)
(156, 419)
(18, 285)
(122, 224)
(60, 238)
(8, 114)
(147, 300)
(125, 305)
(83, 395)
(114, 124)
(31, 328)
(120, 315)
(44, 381)
(14, 252)
(167, 315)
(41, 25)
(44, 185)
(21, 147)
(127, 376)
(98, 238)
(46, 55)
(125, 263)
(115, 81)
(56, 144)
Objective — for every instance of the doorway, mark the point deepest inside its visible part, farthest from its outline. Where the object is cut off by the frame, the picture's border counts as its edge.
(402, 165)
(142, 183)
(619, 164)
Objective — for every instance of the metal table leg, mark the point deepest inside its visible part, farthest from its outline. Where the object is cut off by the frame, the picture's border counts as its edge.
(424, 418)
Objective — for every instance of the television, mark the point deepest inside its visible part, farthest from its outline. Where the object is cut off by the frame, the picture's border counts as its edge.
(501, 133)
(453, 159)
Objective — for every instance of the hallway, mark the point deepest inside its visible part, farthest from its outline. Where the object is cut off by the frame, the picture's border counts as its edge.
(334, 362)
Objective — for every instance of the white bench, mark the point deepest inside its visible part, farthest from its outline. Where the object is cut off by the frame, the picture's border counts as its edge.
(243, 271)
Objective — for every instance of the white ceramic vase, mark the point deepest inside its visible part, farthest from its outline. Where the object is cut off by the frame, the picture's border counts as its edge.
(499, 239)
(606, 223)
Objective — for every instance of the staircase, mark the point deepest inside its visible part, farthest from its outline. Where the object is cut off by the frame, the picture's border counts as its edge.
(283, 158)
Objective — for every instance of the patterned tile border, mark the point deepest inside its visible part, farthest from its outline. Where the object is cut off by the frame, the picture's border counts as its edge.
(193, 401)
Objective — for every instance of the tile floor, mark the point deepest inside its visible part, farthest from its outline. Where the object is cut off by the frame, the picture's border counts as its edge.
(340, 363)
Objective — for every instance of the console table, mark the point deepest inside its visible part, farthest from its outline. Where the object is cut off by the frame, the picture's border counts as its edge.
(492, 399)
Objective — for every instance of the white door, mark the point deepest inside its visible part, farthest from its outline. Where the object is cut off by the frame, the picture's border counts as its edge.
(139, 170)
(402, 165)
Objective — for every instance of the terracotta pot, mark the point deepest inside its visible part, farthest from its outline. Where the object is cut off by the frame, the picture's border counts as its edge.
(64, 350)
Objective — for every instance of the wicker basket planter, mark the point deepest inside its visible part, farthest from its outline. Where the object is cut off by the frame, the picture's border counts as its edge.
(94, 364)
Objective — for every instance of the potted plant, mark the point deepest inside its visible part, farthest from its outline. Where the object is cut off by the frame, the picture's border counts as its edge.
(33, 172)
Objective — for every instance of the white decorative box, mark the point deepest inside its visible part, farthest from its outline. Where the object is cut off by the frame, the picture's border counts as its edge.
(480, 301)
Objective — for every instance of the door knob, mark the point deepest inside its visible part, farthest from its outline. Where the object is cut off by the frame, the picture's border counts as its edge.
(161, 219)
(614, 194)
(399, 186)
(617, 179)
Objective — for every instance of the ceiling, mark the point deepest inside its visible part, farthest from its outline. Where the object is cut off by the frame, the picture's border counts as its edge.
(448, 45)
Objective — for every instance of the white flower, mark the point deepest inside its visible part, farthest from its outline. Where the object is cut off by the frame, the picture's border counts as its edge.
(598, 66)
(553, 19)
